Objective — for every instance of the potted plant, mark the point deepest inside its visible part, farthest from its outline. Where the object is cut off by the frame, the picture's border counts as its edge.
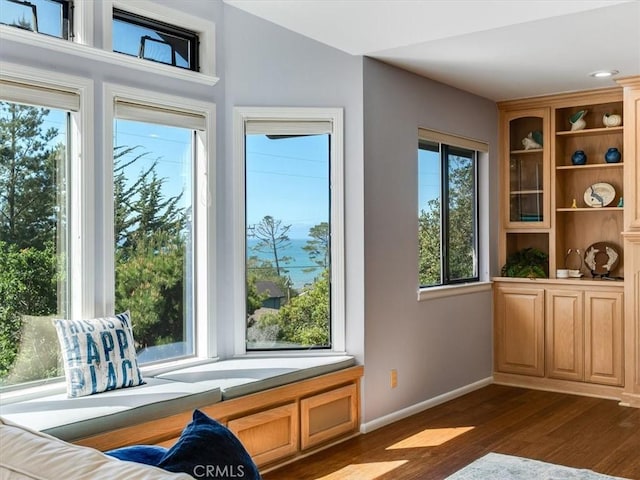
(529, 263)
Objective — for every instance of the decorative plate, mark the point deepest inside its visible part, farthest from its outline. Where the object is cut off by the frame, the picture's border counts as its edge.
(599, 194)
(601, 258)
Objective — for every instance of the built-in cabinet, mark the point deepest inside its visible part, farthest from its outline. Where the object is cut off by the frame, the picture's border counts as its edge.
(578, 334)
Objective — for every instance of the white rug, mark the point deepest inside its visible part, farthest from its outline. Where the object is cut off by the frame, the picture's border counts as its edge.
(495, 466)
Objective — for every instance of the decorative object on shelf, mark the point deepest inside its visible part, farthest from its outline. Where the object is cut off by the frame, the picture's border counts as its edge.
(599, 194)
(573, 260)
(577, 120)
(579, 157)
(562, 273)
(528, 263)
(612, 156)
(611, 120)
(533, 140)
(574, 204)
(573, 273)
(620, 203)
(601, 258)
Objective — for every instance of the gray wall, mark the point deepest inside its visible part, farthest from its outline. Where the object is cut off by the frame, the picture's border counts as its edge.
(266, 65)
(437, 345)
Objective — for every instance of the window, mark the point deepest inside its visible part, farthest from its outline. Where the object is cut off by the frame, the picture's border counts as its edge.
(50, 17)
(38, 130)
(447, 209)
(160, 209)
(154, 40)
(290, 173)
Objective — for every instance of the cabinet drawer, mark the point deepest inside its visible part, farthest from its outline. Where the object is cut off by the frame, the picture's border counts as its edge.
(328, 415)
(268, 435)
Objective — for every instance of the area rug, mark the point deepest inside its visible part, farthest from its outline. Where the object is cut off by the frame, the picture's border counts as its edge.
(495, 466)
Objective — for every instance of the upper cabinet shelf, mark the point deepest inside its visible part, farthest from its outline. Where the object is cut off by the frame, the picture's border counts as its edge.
(591, 131)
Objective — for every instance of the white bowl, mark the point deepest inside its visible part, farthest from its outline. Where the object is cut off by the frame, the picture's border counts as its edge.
(562, 273)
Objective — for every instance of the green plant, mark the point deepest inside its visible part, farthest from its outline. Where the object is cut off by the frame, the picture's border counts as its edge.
(528, 262)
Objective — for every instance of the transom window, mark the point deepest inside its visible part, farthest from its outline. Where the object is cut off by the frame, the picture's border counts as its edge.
(50, 17)
(447, 209)
(154, 40)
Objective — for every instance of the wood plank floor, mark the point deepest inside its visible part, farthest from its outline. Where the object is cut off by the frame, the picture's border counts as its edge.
(570, 430)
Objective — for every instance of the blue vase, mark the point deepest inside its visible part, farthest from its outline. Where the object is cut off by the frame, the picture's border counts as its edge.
(612, 155)
(579, 157)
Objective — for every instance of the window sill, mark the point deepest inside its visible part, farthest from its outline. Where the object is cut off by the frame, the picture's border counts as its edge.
(452, 290)
(92, 53)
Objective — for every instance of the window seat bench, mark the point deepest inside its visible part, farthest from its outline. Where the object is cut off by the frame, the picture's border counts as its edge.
(278, 407)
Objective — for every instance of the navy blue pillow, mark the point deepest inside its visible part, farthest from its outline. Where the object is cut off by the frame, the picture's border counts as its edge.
(147, 454)
(207, 449)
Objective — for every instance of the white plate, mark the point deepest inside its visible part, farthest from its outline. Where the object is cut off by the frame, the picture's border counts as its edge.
(599, 195)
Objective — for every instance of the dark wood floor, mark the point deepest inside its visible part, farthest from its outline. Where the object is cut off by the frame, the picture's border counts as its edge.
(569, 430)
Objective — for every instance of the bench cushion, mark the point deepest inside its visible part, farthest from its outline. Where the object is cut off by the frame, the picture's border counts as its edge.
(74, 418)
(243, 376)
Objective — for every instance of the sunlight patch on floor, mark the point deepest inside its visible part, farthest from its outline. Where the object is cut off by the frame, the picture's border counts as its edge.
(431, 437)
(363, 471)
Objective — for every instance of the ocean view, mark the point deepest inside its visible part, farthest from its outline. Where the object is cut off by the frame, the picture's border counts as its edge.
(300, 261)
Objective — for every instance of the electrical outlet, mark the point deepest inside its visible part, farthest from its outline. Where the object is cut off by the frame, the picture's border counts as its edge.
(394, 378)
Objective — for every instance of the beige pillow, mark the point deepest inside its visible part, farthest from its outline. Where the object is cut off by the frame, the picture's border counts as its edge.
(27, 454)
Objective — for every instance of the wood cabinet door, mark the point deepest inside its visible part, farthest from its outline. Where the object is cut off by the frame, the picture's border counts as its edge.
(519, 329)
(564, 334)
(604, 338)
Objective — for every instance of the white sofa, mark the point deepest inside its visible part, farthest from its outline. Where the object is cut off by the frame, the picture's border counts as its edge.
(27, 454)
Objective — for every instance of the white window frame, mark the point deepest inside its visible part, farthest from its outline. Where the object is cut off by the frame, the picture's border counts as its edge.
(81, 173)
(86, 16)
(204, 29)
(482, 284)
(204, 217)
(241, 115)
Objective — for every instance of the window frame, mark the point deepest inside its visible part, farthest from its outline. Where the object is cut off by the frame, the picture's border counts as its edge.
(204, 30)
(204, 255)
(66, 10)
(481, 157)
(80, 228)
(242, 115)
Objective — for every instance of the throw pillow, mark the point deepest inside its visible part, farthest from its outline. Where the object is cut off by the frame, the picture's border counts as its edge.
(99, 354)
(207, 449)
(147, 454)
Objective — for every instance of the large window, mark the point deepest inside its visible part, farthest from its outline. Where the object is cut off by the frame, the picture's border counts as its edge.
(160, 205)
(36, 131)
(50, 17)
(292, 264)
(447, 209)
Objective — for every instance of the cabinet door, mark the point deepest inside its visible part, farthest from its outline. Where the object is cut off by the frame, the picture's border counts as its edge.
(526, 169)
(603, 338)
(564, 334)
(519, 330)
(269, 435)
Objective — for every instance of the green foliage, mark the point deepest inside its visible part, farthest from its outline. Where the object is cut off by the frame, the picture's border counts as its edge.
(318, 246)
(528, 262)
(27, 287)
(305, 319)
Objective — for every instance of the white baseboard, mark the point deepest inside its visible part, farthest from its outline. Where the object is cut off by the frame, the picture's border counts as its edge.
(419, 407)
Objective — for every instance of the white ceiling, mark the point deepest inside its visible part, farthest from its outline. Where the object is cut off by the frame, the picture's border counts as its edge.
(498, 49)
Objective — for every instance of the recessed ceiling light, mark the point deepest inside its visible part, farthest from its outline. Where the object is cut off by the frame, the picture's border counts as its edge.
(604, 73)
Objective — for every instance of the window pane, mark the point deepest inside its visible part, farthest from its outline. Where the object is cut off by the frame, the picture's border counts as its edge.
(429, 206)
(461, 214)
(145, 38)
(153, 236)
(44, 16)
(287, 238)
(33, 249)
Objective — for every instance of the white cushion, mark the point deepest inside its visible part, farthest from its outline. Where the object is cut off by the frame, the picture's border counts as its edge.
(99, 354)
(27, 454)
